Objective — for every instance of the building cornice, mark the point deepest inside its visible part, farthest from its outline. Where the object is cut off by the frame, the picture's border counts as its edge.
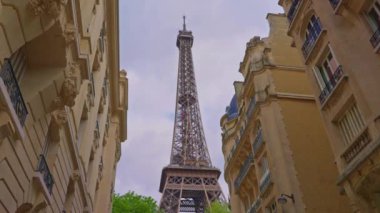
(293, 96)
(118, 80)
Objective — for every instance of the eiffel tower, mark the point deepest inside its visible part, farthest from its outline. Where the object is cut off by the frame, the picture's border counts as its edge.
(190, 182)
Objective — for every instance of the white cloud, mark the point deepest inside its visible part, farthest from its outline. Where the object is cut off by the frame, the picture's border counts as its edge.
(148, 30)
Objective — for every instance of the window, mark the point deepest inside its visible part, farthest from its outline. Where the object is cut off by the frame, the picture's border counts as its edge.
(293, 9)
(313, 30)
(374, 16)
(327, 73)
(258, 139)
(351, 124)
(101, 39)
(263, 166)
(272, 207)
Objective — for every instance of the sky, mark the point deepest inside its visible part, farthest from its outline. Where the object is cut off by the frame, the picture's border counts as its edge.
(148, 52)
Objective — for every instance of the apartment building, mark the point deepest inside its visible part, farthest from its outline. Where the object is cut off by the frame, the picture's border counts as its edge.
(340, 42)
(63, 105)
(277, 154)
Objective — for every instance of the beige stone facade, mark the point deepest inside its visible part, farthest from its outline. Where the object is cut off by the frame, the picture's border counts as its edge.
(63, 105)
(274, 142)
(340, 42)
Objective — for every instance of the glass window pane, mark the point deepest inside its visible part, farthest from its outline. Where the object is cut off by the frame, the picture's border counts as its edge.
(318, 76)
(374, 18)
(333, 63)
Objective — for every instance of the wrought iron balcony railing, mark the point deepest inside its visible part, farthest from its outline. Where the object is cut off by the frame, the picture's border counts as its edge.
(375, 39)
(46, 175)
(293, 10)
(14, 91)
(357, 146)
(338, 74)
(334, 3)
(312, 38)
(244, 170)
(265, 181)
(258, 141)
(255, 206)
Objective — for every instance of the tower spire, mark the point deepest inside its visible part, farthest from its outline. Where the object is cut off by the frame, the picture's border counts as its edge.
(190, 182)
(184, 23)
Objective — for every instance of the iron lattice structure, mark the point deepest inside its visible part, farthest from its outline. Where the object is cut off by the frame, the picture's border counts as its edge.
(190, 182)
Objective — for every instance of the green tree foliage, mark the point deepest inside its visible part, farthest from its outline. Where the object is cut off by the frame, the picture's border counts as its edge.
(218, 207)
(133, 203)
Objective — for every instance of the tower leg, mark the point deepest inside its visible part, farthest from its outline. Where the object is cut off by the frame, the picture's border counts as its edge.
(170, 200)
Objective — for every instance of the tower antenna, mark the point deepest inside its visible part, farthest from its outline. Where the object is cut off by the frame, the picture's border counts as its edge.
(184, 23)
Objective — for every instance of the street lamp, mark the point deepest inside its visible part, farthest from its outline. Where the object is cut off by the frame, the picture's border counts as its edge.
(283, 199)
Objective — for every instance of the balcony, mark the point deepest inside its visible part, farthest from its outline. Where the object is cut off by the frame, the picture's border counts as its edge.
(255, 206)
(45, 172)
(265, 182)
(311, 40)
(330, 86)
(293, 10)
(357, 146)
(257, 144)
(375, 39)
(244, 171)
(334, 3)
(10, 82)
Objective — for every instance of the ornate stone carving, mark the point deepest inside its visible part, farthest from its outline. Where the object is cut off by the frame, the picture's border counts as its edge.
(72, 70)
(254, 41)
(75, 175)
(49, 7)
(58, 118)
(70, 33)
(37, 6)
(67, 94)
(58, 115)
(267, 57)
